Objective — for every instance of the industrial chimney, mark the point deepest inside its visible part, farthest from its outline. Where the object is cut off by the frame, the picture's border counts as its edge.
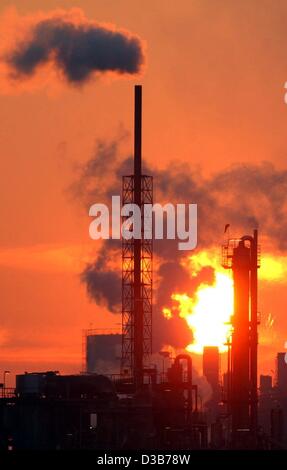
(137, 267)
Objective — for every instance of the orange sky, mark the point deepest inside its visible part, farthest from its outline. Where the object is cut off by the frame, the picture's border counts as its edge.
(213, 96)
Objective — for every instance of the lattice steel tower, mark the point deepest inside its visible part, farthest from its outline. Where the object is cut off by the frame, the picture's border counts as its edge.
(137, 267)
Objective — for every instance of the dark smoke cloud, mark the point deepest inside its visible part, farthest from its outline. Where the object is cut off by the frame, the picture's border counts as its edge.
(90, 185)
(102, 281)
(246, 196)
(77, 50)
(242, 195)
(104, 287)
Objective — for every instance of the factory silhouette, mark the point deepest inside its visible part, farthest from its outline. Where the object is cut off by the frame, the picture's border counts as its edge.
(122, 401)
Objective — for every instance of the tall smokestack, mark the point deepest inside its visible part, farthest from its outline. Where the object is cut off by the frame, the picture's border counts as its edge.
(138, 305)
(137, 268)
(138, 140)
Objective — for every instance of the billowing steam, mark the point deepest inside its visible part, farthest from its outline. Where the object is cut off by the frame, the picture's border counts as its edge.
(103, 286)
(241, 195)
(78, 48)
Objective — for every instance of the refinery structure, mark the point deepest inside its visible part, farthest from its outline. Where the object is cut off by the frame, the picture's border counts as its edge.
(131, 404)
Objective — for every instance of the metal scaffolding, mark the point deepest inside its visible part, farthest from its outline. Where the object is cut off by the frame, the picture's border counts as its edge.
(137, 270)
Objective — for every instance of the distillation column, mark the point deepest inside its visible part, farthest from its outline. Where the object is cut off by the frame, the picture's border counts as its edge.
(242, 257)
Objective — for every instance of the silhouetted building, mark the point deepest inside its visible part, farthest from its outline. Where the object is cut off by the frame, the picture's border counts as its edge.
(281, 372)
(91, 411)
(277, 426)
(273, 405)
(266, 402)
(265, 383)
(103, 353)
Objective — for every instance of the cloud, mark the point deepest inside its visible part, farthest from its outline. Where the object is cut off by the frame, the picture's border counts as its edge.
(103, 281)
(245, 195)
(77, 49)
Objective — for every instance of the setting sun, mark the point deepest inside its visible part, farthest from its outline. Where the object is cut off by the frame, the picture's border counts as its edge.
(208, 313)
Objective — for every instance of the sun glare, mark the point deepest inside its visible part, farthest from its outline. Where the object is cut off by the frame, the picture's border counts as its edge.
(208, 313)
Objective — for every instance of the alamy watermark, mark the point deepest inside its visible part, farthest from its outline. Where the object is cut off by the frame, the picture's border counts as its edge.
(152, 221)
